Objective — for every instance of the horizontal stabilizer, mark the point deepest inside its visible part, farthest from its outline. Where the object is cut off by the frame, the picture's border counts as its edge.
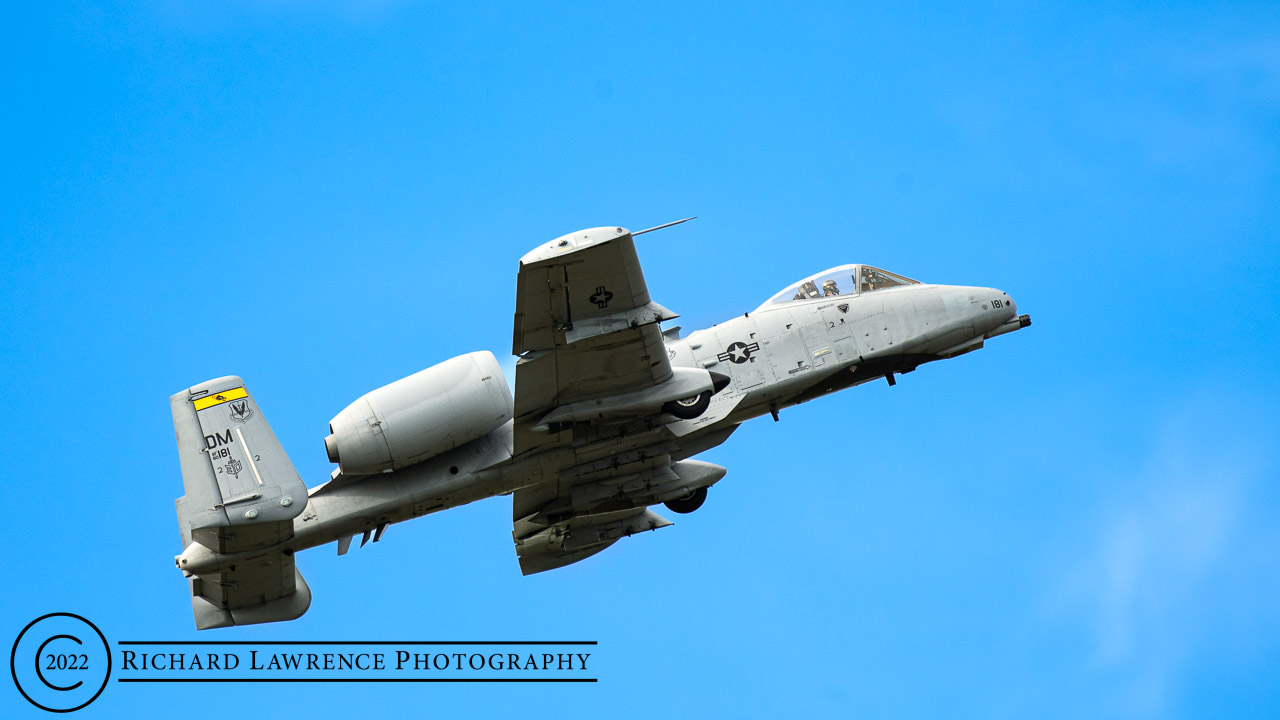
(209, 595)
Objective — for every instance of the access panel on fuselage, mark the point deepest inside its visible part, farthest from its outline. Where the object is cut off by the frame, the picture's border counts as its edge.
(785, 346)
(737, 350)
(827, 333)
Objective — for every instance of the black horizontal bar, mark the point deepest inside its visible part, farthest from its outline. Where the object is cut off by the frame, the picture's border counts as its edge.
(357, 642)
(356, 680)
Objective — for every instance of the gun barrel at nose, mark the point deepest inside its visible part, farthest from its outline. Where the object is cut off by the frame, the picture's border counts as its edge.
(1009, 326)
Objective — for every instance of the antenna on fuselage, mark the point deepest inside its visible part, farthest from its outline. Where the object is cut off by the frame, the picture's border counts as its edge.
(695, 217)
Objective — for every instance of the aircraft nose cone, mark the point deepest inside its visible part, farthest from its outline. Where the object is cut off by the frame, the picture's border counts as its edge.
(1009, 303)
(1002, 307)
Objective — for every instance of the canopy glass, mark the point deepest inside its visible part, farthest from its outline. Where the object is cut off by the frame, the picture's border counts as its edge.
(843, 280)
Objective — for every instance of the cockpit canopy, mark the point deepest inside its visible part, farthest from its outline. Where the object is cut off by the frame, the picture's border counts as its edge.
(843, 280)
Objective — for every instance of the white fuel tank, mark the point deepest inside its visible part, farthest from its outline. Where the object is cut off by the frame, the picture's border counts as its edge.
(420, 416)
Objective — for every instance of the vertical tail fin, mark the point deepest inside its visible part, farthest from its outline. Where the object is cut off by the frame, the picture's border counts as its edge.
(236, 518)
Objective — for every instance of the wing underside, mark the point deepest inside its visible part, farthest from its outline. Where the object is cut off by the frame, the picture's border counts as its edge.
(585, 329)
(542, 548)
(593, 386)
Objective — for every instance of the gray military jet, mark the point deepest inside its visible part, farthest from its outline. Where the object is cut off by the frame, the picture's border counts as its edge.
(607, 412)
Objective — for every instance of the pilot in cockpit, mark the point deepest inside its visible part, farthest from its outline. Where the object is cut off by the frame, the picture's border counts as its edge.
(829, 288)
(807, 290)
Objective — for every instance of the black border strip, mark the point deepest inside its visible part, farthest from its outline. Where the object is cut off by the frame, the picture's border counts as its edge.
(356, 680)
(357, 642)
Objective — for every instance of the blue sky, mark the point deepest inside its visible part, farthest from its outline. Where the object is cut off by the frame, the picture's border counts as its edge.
(1081, 520)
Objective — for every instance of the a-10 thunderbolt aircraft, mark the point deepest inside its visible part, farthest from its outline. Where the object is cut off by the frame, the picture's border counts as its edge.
(607, 412)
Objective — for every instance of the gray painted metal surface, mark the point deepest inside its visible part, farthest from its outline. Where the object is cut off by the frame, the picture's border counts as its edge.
(608, 408)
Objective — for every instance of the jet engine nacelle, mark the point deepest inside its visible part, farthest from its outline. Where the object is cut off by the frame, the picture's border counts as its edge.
(420, 416)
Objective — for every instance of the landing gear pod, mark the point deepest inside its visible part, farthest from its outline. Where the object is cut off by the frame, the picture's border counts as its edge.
(420, 416)
(684, 506)
(689, 408)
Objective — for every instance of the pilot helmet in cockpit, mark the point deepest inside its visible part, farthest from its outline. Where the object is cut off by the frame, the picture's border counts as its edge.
(829, 288)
